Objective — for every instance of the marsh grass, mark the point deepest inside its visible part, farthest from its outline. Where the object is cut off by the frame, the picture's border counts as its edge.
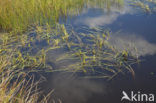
(92, 54)
(28, 24)
(18, 15)
(16, 62)
(20, 90)
(14, 85)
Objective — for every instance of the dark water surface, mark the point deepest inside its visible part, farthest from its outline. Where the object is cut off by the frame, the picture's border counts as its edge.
(128, 25)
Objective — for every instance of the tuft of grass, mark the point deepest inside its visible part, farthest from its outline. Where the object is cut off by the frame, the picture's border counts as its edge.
(16, 62)
(14, 87)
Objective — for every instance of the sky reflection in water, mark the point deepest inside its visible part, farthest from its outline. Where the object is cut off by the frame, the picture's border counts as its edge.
(130, 28)
(128, 24)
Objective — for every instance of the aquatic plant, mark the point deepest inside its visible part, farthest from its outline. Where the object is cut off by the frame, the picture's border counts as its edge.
(16, 62)
(147, 6)
(30, 32)
(90, 53)
(14, 85)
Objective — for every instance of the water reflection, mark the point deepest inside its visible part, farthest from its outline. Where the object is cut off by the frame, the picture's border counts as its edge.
(136, 36)
(70, 89)
(131, 42)
(137, 28)
(99, 17)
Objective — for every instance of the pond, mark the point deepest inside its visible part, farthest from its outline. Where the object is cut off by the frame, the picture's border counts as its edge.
(129, 25)
(86, 51)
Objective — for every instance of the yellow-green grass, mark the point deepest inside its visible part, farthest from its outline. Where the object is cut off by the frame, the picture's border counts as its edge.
(15, 66)
(14, 88)
(18, 15)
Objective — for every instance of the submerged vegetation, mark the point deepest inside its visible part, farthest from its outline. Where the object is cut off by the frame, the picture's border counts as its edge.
(30, 31)
(147, 6)
(90, 54)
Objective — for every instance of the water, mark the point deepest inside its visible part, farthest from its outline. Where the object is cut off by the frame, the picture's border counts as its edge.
(129, 25)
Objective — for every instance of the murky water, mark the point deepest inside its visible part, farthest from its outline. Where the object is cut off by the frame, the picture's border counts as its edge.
(129, 25)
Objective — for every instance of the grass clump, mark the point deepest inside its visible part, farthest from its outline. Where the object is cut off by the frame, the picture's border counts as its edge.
(14, 85)
(18, 15)
(16, 63)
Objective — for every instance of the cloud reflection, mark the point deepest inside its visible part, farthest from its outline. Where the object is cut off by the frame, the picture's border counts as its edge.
(132, 41)
(70, 89)
(104, 19)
